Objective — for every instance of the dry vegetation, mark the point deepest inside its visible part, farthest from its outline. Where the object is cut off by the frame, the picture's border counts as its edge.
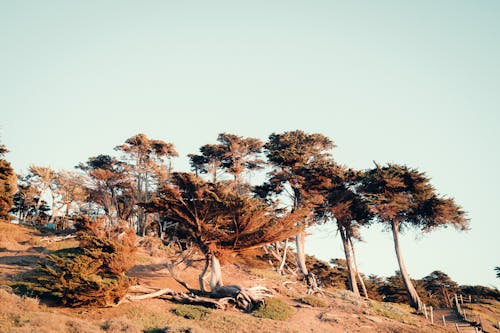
(335, 311)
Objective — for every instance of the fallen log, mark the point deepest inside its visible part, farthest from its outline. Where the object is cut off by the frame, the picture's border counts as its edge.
(245, 299)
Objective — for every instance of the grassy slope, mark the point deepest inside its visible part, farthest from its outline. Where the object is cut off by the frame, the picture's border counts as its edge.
(338, 311)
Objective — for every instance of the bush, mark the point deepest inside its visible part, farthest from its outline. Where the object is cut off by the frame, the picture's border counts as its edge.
(94, 272)
(313, 301)
(195, 312)
(273, 308)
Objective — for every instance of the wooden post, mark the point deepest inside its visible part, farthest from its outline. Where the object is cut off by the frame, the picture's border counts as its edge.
(461, 299)
(456, 326)
(465, 316)
(425, 312)
(470, 299)
(432, 315)
(444, 321)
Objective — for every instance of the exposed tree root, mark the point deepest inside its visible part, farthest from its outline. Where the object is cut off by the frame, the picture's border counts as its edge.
(245, 299)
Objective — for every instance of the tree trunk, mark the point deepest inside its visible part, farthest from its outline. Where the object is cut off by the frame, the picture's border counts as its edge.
(360, 278)
(414, 299)
(312, 285)
(202, 275)
(215, 274)
(351, 276)
(283, 258)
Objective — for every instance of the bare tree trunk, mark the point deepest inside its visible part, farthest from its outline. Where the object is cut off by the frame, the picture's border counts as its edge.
(347, 251)
(360, 278)
(414, 299)
(312, 285)
(202, 275)
(283, 258)
(215, 274)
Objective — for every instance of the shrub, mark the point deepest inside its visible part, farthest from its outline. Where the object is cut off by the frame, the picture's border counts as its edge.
(275, 309)
(94, 272)
(313, 301)
(195, 312)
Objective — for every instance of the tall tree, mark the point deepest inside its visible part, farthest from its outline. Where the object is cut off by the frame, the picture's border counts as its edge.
(401, 198)
(149, 162)
(43, 180)
(8, 184)
(233, 154)
(294, 155)
(218, 220)
(108, 182)
(349, 211)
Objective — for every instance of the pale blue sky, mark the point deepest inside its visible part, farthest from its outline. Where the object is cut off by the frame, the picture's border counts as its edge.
(413, 82)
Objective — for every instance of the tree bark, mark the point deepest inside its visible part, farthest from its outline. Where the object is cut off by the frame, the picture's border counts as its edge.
(360, 278)
(351, 276)
(283, 258)
(413, 297)
(215, 274)
(312, 285)
(202, 275)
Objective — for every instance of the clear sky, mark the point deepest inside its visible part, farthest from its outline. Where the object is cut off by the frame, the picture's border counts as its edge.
(412, 82)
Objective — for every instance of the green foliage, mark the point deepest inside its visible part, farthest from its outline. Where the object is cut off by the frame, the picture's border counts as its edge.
(274, 308)
(8, 185)
(313, 301)
(326, 275)
(478, 292)
(91, 274)
(195, 312)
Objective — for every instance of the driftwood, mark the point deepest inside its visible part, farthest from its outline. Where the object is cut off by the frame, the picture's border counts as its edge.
(245, 299)
(57, 238)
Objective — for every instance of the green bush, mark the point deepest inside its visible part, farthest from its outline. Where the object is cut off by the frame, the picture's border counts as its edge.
(313, 301)
(273, 308)
(92, 273)
(195, 312)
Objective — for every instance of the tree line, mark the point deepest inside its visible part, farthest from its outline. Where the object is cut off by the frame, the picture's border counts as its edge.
(216, 208)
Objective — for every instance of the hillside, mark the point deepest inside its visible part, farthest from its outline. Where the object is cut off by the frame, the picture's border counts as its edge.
(336, 311)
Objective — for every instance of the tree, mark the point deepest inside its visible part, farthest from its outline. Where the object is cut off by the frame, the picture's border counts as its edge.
(219, 221)
(233, 154)
(349, 211)
(71, 194)
(293, 156)
(439, 286)
(8, 185)
(401, 198)
(42, 180)
(150, 164)
(497, 269)
(108, 184)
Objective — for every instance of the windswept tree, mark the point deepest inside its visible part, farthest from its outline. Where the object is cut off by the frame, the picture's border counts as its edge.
(349, 211)
(233, 154)
(149, 161)
(8, 185)
(219, 221)
(440, 287)
(403, 198)
(42, 180)
(108, 184)
(294, 156)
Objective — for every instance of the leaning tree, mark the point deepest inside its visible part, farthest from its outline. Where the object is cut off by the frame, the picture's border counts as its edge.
(294, 156)
(219, 221)
(347, 208)
(402, 198)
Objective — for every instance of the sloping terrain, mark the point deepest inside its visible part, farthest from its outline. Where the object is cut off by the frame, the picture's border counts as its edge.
(339, 311)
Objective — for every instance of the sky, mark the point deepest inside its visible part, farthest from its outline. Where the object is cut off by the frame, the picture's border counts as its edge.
(410, 82)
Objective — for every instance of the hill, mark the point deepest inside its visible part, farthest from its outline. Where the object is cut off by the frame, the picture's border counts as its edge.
(335, 311)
